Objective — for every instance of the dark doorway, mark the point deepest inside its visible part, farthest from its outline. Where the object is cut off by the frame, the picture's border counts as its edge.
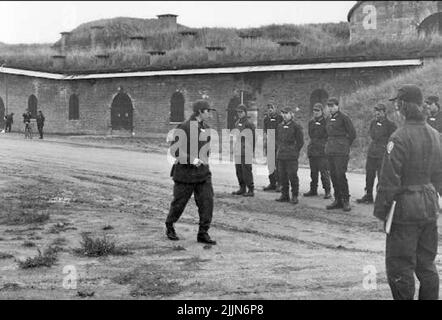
(32, 106)
(2, 113)
(122, 112)
(318, 95)
(177, 107)
(74, 108)
(233, 104)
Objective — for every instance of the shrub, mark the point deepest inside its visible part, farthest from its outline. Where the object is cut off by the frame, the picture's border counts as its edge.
(99, 247)
(47, 259)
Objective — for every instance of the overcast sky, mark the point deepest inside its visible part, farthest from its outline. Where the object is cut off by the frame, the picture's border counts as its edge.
(42, 21)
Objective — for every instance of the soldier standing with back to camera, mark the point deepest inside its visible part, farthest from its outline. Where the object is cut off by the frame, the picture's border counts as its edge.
(191, 173)
(290, 141)
(271, 121)
(411, 175)
(315, 151)
(381, 129)
(434, 118)
(341, 134)
(244, 149)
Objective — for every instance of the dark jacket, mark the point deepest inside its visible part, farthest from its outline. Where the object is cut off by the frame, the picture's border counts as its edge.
(272, 122)
(318, 137)
(290, 140)
(411, 174)
(341, 134)
(243, 124)
(436, 121)
(27, 118)
(40, 120)
(380, 132)
(9, 118)
(183, 170)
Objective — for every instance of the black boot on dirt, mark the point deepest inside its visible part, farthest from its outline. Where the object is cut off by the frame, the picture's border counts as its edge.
(337, 204)
(283, 198)
(311, 193)
(270, 187)
(240, 192)
(249, 193)
(205, 238)
(294, 200)
(327, 195)
(170, 233)
(346, 205)
(278, 189)
(367, 199)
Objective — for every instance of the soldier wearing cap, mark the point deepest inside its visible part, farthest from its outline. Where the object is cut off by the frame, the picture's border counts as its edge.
(191, 173)
(341, 134)
(434, 118)
(381, 129)
(315, 151)
(271, 121)
(411, 175)
(290, 141)
(244, 150)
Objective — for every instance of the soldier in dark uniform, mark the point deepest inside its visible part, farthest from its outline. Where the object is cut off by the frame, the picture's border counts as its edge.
(244, 149)
(9, 120)
(411, 175)
(191, 173)
(341, 134)
(434, 118)
(271, 121)
(315, 151)
(40, 123)
(290, 141)
(381, 129)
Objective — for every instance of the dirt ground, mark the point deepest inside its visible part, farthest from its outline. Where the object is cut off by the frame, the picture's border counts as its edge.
(266, 250)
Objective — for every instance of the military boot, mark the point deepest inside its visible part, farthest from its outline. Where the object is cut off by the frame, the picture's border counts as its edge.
(283, 198)
(205, 238)
(311, 193)
(367, 199)
(294, 200)
(337, 204)
(327, 195)
(270, 187)
(249, 193)
(346, 205)
(240, 192)
(170, 232)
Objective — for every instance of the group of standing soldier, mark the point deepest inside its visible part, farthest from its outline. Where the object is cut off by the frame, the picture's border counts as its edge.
(27, 116)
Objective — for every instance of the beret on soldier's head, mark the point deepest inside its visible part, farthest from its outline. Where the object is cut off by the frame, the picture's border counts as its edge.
(380, 107)
(319, 106)
(201, 105)
(287, 110)
(241, 107)
(432, 99)
(409, 93)
(333, 101)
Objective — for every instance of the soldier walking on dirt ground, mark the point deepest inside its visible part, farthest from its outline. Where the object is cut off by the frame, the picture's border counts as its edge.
(341, 134)
(315, 151)
(411, 175)
(381, 129)
(191, 173)
(290, 141)
(271, 121)
(244, 150)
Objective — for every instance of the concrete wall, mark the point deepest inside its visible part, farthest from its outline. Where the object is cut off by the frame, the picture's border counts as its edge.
(151, 96)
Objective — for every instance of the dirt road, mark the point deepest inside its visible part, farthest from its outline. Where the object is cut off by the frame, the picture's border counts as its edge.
(266, 250)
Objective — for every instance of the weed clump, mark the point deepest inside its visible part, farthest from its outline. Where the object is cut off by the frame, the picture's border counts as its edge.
(47, 259)
(99, 247)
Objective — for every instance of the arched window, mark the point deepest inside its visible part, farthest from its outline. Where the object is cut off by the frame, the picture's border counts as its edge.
(74, 109)
(32, 106)
(177, 107)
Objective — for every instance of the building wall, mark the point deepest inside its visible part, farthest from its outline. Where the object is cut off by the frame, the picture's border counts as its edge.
(394, 19)
(151, 96)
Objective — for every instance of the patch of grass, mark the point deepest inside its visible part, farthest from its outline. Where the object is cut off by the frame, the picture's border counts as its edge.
(99, 247)
(47, 259)
(23, 217)
(4, 255)
(108, 227)
(60, 227)
(28, 244)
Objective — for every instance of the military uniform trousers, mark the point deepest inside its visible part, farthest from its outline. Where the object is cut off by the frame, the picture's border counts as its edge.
(244, 173)
(319, 165)
(288, 172)
(273, 175)
(8, 127)
(40, 131)
(412, 249)
(203, 195)
(338, 168)
(372, 168)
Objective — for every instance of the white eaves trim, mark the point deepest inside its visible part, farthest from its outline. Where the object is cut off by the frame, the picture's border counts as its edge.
(225, 70)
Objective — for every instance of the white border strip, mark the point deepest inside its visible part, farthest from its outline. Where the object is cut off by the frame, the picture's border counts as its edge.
(247, 69)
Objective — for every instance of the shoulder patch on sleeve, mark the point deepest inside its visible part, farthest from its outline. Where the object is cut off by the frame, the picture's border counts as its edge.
(390, 147)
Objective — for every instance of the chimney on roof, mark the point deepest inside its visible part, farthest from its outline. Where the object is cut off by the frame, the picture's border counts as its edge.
(64, 41)
(138, 42)
(168, 21)
(287, 47)
(58, 61)
(101, 59)
(95, 35)
(155, 55)
(214, 53)
(188, 38)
